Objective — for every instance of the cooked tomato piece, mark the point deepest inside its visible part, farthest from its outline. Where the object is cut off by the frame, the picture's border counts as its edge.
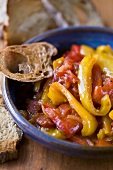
(76, 57)
(97, 94)
(64, 109)
(112, 124)
(74, 90)
(66, 65)
(96, 76)
(103, 142)
(76, 48)
(74, 54)
(64, 75)
(75, 68)
(68, 126)
(33, 108)
(79, 140)
(44, 121)
(100, 91)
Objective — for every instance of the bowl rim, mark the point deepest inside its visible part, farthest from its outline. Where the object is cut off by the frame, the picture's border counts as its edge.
(42, 138)
(70, 28)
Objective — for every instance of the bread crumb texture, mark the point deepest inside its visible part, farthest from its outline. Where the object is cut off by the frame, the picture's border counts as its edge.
(10, 135)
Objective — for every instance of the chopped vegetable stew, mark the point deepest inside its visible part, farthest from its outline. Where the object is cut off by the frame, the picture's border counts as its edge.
(76, 103)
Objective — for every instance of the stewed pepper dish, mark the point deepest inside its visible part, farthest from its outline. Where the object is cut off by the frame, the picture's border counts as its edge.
(76, 103)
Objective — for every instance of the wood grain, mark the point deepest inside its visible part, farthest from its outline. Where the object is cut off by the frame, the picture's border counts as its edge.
(105, 9)
(33, 156)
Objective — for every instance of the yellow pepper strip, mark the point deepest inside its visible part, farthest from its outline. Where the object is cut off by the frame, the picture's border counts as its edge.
(37, 86)
(106, 130)
(105, 61)
(88, 120)
(101, 134)
(106, 124)
(45, 99)
(85, 50)
(104, 49)
(57, 62)
(55, 95)
(53, 132)
(75, 118)
(85, 88)
(111, 114)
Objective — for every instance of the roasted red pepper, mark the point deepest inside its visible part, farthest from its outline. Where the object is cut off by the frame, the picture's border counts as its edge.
(74, 54)
(68, 126)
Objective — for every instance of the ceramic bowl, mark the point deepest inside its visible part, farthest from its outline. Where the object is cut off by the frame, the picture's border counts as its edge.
(62, 38)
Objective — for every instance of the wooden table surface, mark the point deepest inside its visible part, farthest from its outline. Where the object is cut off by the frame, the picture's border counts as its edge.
(33, 156)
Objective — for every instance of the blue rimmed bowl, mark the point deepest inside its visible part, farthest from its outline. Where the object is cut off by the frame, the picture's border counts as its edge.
(62, 38)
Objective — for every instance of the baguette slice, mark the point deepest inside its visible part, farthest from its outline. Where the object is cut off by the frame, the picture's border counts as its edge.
(26, 19)
(27, 63)
(10, 135)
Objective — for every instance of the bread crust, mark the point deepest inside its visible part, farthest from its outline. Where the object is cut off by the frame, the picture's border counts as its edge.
(8, 155)
(27, 21)
(10, 135)
(27, 63)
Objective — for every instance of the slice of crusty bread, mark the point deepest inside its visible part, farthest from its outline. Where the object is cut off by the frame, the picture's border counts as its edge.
(3, 44)
(26, 19)
(10, 135)
(27, 63)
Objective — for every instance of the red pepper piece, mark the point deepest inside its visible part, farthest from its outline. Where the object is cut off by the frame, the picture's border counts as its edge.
(68, 126)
